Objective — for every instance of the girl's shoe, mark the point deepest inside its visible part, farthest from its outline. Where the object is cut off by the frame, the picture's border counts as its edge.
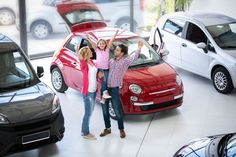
(102, 101)
(106, 95)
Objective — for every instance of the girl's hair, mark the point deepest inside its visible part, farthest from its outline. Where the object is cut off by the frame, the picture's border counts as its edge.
(103, 41)
(84, 52)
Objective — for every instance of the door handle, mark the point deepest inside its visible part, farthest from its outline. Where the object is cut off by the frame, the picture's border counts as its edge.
(184, 45)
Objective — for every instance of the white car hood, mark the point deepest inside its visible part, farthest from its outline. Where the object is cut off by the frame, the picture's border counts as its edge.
(231, 53)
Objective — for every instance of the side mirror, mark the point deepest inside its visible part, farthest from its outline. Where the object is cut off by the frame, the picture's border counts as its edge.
(40, 71)
(203, 46)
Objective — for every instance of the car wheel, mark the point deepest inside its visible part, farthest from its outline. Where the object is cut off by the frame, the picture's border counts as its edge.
(111, 111)
(222, 80)
(41, 29)
(7, 17)
(58, 81)
(125, 24)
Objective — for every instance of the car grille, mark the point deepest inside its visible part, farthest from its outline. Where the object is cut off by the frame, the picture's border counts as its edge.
(29, 125)
(162, 105)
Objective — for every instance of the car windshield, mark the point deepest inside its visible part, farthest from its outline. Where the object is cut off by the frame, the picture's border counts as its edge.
(148, 56)
(83, 16)
(231, 146)
(224, 35)
(15, 72)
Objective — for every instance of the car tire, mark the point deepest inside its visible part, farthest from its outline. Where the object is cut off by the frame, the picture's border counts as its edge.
(7, 17)
(41, 29)
(58, 81)
(222, 81)
(124, 23)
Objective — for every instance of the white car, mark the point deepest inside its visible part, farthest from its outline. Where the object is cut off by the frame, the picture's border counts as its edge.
(202, 43)
(7, 12)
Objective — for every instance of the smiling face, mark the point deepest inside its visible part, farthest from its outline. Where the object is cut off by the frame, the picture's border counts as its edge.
(118, 52)
(102, 44)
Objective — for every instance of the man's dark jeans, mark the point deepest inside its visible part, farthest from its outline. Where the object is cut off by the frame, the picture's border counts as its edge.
(115, 100)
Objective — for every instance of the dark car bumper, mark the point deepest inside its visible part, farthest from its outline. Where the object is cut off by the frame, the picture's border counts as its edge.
(11, 135)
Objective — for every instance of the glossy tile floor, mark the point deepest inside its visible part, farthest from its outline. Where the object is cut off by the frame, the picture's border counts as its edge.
(204, 112)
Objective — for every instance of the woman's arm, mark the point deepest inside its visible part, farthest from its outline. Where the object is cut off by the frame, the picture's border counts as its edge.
(112, 39)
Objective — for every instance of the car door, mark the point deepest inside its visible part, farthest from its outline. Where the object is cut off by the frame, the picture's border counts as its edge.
(75, 74)
(195, 59)
(172, 37)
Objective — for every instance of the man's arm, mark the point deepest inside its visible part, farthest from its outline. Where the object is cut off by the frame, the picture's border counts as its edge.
(130, 60)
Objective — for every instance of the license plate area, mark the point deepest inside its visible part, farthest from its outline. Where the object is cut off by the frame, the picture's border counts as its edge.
(35, 137)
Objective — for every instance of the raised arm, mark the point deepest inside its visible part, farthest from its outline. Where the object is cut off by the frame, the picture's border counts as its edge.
(130, 60)
(91, 42)
(112, 39)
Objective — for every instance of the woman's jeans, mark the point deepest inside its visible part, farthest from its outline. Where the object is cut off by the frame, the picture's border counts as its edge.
(116, 104)
(104, 81)
(89, 101)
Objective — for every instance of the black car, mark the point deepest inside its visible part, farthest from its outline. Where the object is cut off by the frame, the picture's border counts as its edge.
(30, 112)
(213, 146)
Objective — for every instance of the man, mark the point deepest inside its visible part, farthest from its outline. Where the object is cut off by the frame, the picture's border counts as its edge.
(117, 69)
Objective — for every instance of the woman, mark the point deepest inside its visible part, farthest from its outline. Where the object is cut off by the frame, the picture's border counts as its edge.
(89, 88)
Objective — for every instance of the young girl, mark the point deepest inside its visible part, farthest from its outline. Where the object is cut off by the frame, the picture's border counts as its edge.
(102, 52)
(89, 89)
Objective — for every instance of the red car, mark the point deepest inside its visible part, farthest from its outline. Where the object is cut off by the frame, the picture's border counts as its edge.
(150, 84)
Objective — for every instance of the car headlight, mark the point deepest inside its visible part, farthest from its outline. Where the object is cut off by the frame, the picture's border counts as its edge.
(3, 119)
(178, 80)
(136, 89)
(55, 104)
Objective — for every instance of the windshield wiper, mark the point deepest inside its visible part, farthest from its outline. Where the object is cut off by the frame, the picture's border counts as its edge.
(146, 64)
(228, 47)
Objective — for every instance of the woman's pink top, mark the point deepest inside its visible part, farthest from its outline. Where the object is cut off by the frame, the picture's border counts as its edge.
(85, 70)
(102, 58)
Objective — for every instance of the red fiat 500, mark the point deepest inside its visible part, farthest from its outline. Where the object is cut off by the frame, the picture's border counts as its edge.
(150, 84)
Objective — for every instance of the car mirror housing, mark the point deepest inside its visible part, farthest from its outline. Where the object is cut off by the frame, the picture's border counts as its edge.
(164, 53)
(40, 71)
(203, 46)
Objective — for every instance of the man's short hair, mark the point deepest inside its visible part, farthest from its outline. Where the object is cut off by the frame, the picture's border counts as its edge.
(124, 49)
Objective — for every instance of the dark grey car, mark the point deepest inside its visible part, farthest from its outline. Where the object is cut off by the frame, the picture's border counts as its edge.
(30, 113)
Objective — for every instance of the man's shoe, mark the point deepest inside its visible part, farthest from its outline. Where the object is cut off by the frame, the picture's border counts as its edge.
(105, 132)
(122, 133)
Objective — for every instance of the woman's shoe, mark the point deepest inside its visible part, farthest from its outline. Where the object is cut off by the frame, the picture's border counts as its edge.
(105, 132)
(89, 137)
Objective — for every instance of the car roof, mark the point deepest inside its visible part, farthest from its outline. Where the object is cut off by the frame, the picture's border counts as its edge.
(205, 18)
(107, 33)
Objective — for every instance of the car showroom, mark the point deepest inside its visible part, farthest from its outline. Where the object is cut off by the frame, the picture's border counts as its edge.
(117, 78)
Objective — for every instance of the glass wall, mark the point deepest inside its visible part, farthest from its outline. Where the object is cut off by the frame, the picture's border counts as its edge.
(46, 29)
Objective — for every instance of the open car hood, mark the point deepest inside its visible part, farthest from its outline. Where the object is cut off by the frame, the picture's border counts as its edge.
(80, 16)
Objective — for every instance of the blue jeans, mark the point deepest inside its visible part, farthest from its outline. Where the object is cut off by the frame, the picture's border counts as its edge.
(89, 101)
(104, 81)
(116, 104)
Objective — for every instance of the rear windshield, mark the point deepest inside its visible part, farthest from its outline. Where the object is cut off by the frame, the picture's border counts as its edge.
(15, 73)
(83, 16)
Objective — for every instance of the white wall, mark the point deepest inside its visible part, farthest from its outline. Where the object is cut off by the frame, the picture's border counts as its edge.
(227, 7)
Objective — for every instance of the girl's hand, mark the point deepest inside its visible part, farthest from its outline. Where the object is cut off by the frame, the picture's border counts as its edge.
(100, 74)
